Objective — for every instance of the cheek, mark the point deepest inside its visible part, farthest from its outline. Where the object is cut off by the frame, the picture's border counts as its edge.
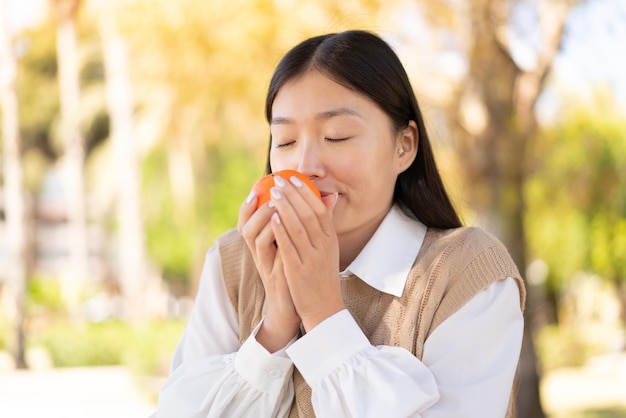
(279, 161)
(376, 175)
(367, 176)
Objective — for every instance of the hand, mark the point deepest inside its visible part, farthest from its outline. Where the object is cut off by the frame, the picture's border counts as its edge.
(304, 232)
(281, 322)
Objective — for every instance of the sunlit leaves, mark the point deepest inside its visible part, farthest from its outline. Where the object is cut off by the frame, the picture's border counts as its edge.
(577, 198)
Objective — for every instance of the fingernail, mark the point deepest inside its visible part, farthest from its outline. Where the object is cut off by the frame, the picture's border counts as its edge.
(336, 199)
(276, 217)
(279, 181)
(270, 204)
(295, 181)
(276, 194)
(250, 198)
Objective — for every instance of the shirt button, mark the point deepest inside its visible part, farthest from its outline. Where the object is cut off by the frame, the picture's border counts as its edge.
(275, 374)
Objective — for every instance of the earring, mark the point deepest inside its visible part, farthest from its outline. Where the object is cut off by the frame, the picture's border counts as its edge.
(401, 151)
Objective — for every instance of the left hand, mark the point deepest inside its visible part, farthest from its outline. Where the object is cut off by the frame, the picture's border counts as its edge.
(307, 242)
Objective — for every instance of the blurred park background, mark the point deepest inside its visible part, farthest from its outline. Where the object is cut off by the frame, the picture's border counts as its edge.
(133, 129)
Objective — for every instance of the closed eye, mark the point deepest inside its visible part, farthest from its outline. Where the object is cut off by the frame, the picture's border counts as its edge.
(333, 140)
(284, 144)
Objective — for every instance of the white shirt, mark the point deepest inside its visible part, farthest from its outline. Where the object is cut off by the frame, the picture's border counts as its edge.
(467, 367)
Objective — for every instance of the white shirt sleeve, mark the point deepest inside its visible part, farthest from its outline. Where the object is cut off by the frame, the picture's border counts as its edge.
(470, 357)
(475, 352)
(212, 376)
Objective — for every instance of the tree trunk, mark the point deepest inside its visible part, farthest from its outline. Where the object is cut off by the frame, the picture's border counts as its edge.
(74, 153)
(494, 149)
(528, 393)
(620, 290)
(15, 196)
(133, 274)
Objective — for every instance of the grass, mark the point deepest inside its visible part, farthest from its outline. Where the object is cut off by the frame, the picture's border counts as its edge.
(146, 348)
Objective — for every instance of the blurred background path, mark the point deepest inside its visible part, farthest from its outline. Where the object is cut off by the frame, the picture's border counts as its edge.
(95, 392)
(597, 390)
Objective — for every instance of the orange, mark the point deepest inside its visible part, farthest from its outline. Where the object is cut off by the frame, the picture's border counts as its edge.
(264, 184)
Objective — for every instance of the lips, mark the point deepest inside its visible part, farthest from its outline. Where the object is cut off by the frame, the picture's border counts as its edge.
(330, 196)
(324, 193)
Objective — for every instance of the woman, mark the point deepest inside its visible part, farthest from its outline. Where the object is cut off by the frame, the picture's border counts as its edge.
(371, 302)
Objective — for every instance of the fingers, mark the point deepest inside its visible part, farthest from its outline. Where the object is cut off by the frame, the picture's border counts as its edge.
(302, 213)
(283, 239)
(253, 225)
(295, 222)
(246, 210)
(251, 220)
(329, 201)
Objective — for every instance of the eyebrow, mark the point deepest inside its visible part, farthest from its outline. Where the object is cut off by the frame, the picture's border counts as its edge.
(342, 111)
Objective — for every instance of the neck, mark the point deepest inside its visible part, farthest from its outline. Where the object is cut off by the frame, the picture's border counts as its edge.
(352, 242)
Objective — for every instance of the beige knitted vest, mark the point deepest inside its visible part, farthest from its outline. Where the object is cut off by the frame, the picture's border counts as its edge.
(451, 267)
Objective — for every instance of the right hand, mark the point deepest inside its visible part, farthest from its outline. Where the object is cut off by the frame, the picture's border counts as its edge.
(281, 322)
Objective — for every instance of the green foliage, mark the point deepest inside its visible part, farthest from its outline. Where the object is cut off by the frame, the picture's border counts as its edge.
(178, 236)
(44, 294)
(234, 171)
(576, 197)
(583, 337)
(5, 331)
(608, 245)
(563, 347)
(170, 233)
(89, 345)
(152, 347)
(38, 88)
(146, 349)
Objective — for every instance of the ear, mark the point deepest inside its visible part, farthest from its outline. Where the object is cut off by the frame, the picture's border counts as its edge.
(407, 143)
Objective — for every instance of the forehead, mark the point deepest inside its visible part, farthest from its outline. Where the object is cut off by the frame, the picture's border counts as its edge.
(314, 92)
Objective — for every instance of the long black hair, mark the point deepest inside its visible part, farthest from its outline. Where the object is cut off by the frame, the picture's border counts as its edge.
(365, 63)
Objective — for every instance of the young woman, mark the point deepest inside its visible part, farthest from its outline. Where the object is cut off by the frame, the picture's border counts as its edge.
(373, 301)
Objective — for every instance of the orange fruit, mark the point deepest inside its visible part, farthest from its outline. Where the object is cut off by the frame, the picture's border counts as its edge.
(264, 184)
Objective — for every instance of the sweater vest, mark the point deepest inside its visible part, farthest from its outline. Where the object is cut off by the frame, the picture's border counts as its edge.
(451, 267)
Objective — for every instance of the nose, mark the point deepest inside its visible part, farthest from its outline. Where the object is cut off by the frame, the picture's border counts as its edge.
(311, 161)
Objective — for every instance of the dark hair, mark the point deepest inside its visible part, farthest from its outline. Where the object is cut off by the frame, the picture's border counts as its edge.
(363, 62)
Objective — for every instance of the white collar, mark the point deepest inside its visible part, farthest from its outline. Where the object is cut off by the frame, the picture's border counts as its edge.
(387, 258)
